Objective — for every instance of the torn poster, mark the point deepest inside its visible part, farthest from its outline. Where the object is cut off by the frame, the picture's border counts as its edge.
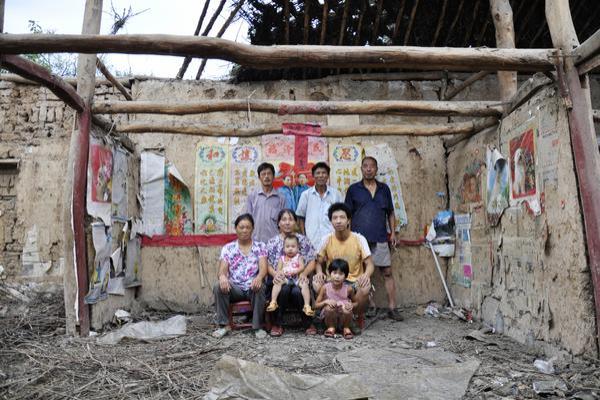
(462, 268)
(133, 262)
(243, 162)
(497, 186)
(152, 184)
(178, 203)
(101, 237)
(115, 282)
(387, 172)
(211, 187)
(548, 148)
(119, 184)
(99, 188)
(522, 167)
(344, 158)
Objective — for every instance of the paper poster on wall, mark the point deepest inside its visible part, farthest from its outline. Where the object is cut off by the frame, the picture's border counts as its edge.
(152, 191)
(210, 195)
(178, 203)
(244, 159)
(462, 267)
(523, 186)
(387, 172)
(470, 186)
(344, 158)
(280, 151)
(119, 184)
(99, 189)
(548, 148)
(497, 190)
(101, 238)
(132, 265)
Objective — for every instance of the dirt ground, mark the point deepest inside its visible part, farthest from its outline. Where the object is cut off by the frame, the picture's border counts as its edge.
(37, 360)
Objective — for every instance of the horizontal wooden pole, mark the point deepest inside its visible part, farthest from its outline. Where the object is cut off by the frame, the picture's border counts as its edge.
(588, 48)
(35, 72)
(458, 128)
(283, 107)
(266, 57)
(70, 80)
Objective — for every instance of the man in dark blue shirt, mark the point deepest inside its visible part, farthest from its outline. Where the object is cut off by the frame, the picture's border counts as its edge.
(372, 212)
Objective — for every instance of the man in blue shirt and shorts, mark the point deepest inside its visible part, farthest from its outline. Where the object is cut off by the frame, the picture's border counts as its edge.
(372, 212)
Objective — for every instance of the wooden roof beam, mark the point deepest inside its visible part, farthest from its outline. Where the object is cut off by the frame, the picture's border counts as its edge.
(102, 68)
(587, 49)
(505, 38)
(187, 60)
(459, 128)
(286, 107)
(267, 57)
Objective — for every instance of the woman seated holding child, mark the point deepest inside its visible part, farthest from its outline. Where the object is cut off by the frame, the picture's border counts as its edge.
(291, 290)
(337, 299)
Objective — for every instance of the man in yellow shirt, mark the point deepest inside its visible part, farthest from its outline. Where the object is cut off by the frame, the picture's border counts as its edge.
(350, 246)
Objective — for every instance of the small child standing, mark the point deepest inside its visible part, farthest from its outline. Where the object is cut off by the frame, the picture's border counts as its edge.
(337, 299)
(292, 265)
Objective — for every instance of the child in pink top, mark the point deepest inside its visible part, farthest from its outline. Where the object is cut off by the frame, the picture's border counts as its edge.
(337, 299)
(292, 265)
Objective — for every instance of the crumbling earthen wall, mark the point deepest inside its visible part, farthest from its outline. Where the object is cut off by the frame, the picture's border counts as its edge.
(530, 276)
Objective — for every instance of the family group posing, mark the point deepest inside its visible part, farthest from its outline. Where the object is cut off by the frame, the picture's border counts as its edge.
(339, 245)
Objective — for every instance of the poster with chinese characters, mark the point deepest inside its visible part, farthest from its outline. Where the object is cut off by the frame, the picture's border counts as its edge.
(244, 159)
(387, 172)
(462, 266)
(344, 158)
(119, 184)
(279, 150)
(178, 203)
(99, 190)
(211, 187)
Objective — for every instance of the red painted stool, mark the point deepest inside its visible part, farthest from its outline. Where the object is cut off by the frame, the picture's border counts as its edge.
(237, 309)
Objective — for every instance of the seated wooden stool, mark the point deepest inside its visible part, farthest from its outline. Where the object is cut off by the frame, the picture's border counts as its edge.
(237, 309)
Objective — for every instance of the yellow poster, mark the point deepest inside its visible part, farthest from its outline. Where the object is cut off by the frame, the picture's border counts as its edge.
(345, 158)
(210, 198)
(244, 159)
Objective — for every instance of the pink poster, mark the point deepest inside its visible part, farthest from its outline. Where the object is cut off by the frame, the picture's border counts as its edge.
(101, 161)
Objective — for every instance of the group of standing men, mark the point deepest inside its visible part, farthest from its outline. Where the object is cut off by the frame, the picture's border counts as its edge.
(360, 230)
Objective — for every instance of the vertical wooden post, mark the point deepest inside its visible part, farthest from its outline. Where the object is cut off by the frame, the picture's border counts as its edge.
(1, 16)
(76, 271)
(505, 38)
(583, 138)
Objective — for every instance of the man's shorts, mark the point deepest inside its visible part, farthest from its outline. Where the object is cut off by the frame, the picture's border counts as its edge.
(380, 254)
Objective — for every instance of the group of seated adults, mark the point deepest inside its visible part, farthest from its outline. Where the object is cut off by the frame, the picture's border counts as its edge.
(249, 270)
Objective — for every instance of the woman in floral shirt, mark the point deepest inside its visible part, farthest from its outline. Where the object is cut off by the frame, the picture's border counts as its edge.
(242, 269)
(290, 296)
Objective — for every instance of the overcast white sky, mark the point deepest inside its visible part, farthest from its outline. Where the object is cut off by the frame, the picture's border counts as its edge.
(177, 17)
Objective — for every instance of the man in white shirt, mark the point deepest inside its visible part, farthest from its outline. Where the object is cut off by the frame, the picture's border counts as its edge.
(314, 204)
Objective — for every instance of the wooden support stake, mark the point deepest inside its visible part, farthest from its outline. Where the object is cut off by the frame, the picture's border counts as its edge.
(220, 34)
(413, 13)
(589, 65)
(2, 16)
(102, 68)
(344, 20)
(283, 107)
(454, 21)
(75, 183)
(587, 49)
(376, 23)
(583, 139)
(465, 84)
(324, 22)
(293, 56)
(505, 38)
(187, 60)
(440, 23)
(326, 131)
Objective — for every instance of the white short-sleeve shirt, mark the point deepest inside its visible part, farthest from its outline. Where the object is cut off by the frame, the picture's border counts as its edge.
(313, 208)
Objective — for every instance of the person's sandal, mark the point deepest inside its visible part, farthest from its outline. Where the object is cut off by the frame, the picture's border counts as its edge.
(276, 331)
(272, 306)
(308, 311)
(311, 331)
(348, 334)
(330, 333)
(219, 333)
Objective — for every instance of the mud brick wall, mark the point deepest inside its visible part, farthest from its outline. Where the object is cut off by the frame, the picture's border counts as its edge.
(530, 274)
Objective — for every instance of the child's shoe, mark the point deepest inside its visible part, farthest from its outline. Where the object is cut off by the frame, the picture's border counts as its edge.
(308, 311)
(272, 306)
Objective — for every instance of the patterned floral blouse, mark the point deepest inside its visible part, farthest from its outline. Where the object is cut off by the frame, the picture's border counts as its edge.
(242, 268)
(275, 249)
